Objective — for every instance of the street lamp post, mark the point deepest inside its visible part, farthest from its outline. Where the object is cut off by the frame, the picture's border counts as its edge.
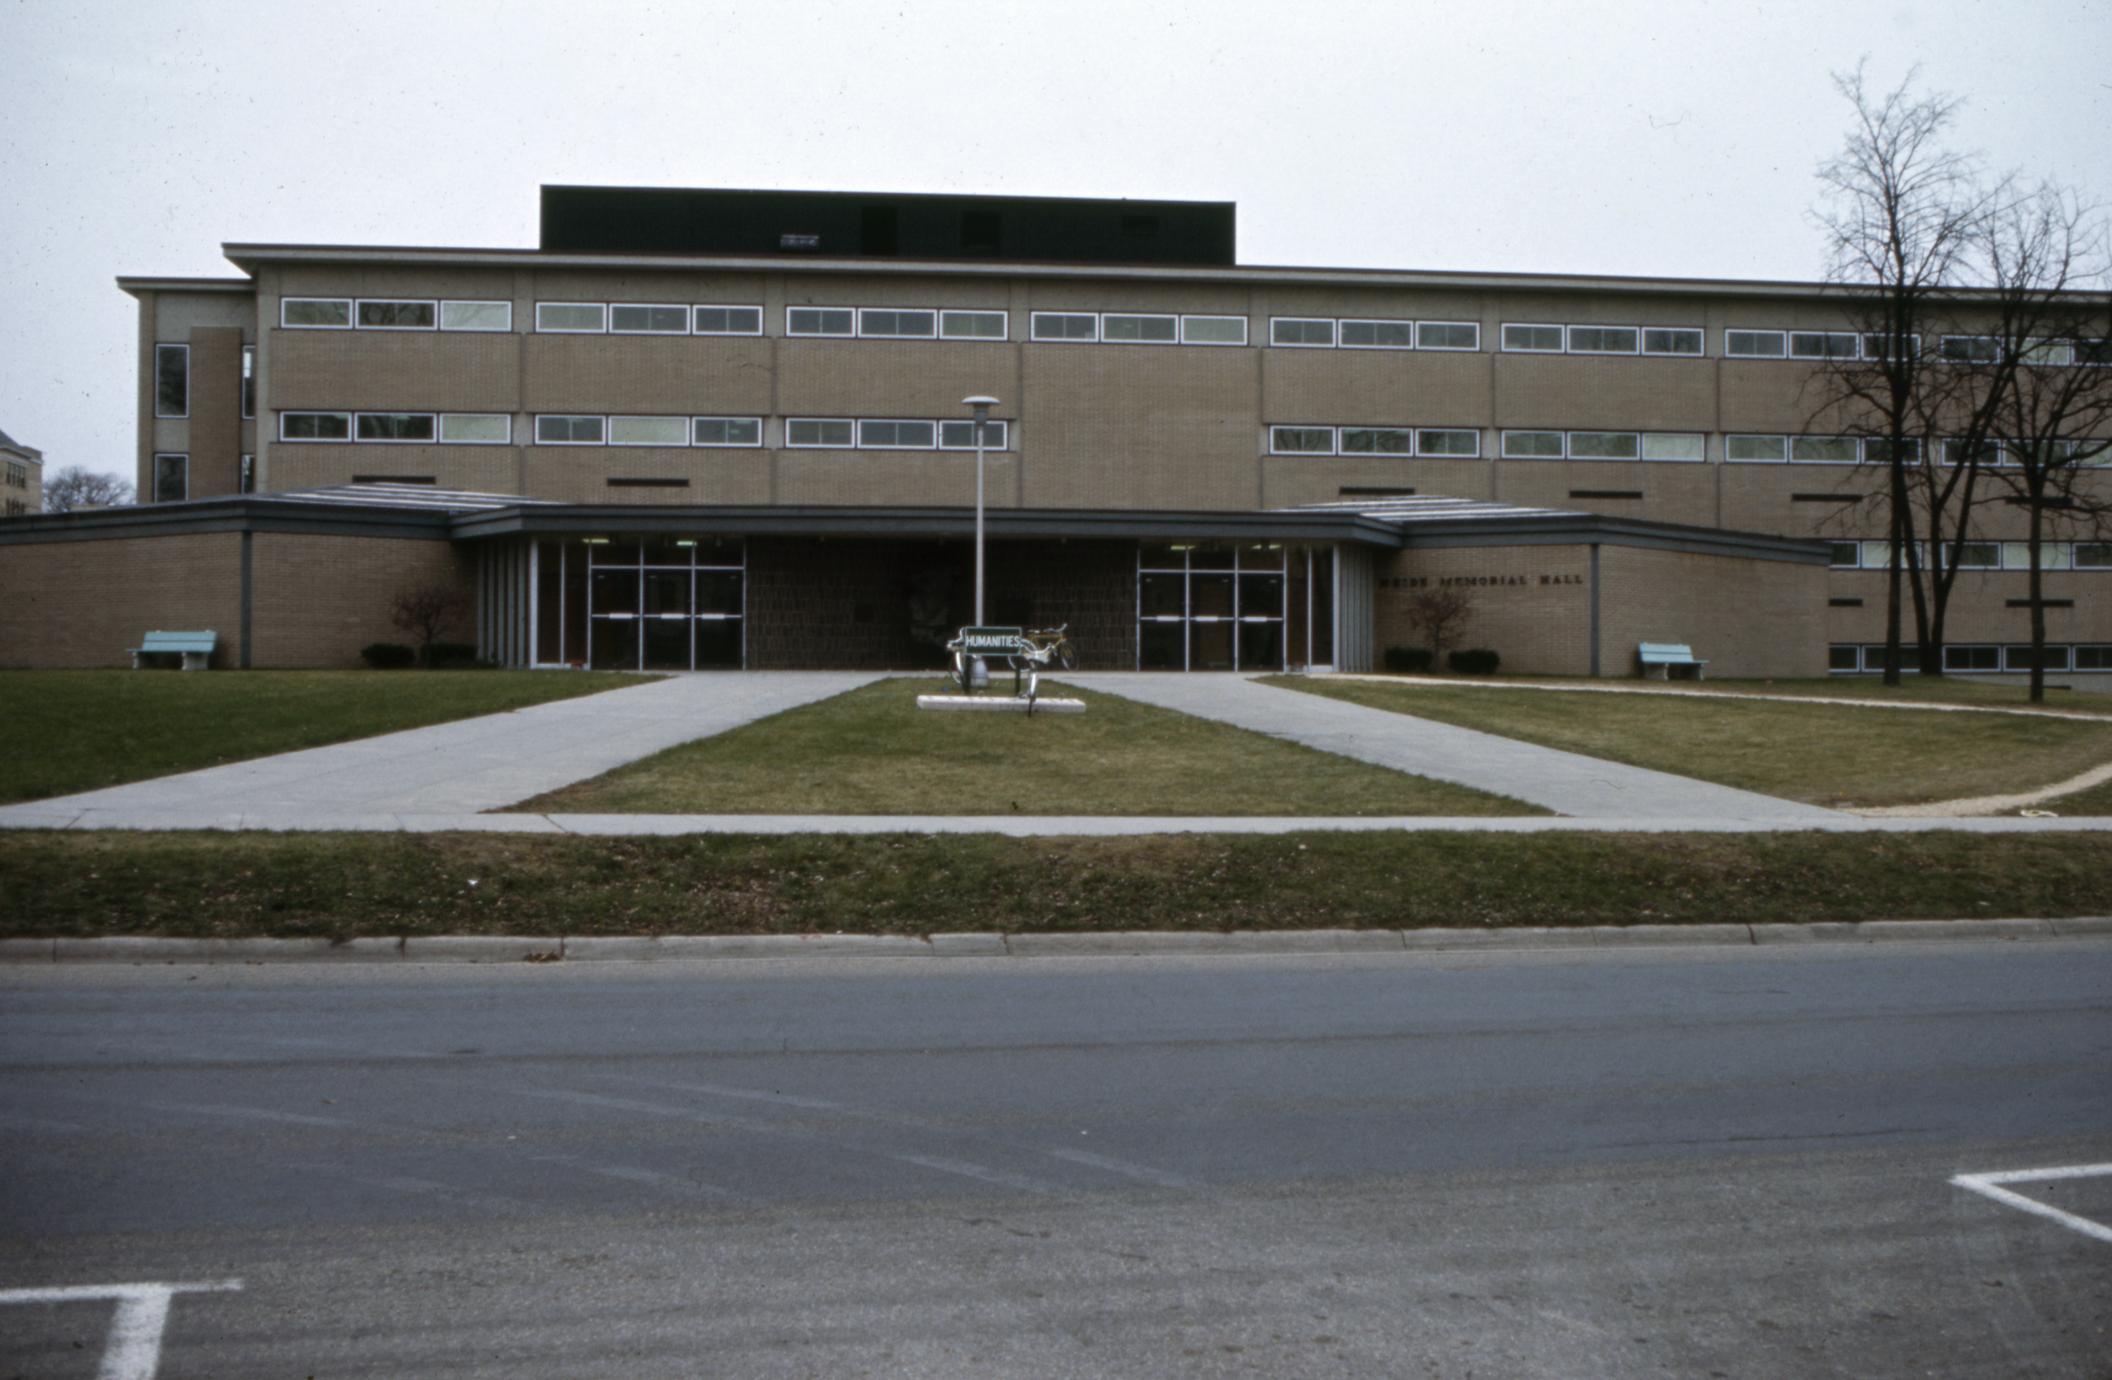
(982, 405)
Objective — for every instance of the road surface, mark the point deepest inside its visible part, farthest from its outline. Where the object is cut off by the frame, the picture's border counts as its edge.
(1679, 1162)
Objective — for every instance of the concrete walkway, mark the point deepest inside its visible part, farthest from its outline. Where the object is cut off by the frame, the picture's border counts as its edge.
(447, 770)
(1565, 782)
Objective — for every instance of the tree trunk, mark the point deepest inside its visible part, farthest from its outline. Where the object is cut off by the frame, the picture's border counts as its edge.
(2038, 605)
(1892, 574)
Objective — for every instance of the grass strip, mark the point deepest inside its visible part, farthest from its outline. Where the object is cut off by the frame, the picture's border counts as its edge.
(342, 885)
(871, 751)
(71, 731)
(1825, 754)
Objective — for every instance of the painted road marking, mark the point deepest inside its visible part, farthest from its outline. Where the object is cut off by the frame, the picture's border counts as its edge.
(1990, 1185)
(133, 1351)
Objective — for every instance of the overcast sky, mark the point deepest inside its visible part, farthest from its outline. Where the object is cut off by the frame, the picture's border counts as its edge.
(1562, 136)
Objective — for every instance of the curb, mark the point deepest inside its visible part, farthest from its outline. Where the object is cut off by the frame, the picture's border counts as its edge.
(647, 948)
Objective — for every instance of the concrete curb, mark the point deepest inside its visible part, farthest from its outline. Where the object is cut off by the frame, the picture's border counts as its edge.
(646, 948)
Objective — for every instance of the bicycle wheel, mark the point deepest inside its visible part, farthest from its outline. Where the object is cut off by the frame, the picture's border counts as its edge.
(1066, 655)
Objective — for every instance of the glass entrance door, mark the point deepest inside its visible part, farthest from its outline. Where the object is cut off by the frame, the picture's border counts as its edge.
(660, 604)
(1211, 606)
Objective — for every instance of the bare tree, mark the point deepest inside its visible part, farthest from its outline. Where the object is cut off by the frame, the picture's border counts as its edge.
(1441, 614)
(74, 488)
(2050, 258)
(426, 612)
(1900, 211)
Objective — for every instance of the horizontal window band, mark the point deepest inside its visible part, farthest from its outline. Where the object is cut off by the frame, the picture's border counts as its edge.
(1372, 491)
(648, 483)
(1844, 603)
(1605, 493)
(394, 479)
(2043, 603)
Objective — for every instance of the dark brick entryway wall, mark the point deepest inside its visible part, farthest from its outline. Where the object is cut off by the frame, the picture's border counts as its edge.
(859, 604)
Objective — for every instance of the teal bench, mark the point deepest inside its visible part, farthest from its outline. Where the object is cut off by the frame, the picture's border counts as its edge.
(1669, 661)
(196, 648)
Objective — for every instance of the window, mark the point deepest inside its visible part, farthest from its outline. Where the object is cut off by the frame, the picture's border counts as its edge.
(2094, 352)
(1306, 332)
(246, 479)
(394, 426)
(824, 321)
(571, 318)
(1877, 450)
(1685, 447)
(727, 431)
(1302, 440)
(172, 478)
(2093, 657)
(316, 313)
(1967, 349)
(1822, 345)
(1604, 445)
(1671, 340)
(824, 432)
(961, 435)
(894, 323)
(629, 318)
(1377, 440)
(1756, 450)
(1213, 330)
(1755, 345)
(1844, 657)
(1130, 328)
(568, 430)
(1847, 555)
(391, 315)
(249, 381)
(729, 321)
(172, 380)
(648, 431)
(475, 428)
(2093, 555)
(1378, 335)
(897, 435)
(1878, 345)
(1533, 445)
(1958, 658)
(1064, 325)
(1457, 443)
(1447, 335)
(1526, 338)
(476, 316)
(1604, 340)
(1956, 452)
(2018, 658)
(1823, 450)
(315, 426)
(1976, 555)
(973, 325)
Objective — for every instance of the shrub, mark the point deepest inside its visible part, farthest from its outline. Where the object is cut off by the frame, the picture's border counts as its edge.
(451, 655)
(388, 656)
(1474, 661)
(1409, 659)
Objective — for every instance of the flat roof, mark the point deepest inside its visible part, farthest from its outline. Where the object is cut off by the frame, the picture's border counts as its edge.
(250, 256)
(458, 515)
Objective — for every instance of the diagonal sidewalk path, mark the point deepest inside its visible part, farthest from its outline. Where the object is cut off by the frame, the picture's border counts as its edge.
(452, 769)
(1565, 782)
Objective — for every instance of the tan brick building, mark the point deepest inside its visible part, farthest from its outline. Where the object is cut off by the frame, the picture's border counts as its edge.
(706, 429)
(21, 478)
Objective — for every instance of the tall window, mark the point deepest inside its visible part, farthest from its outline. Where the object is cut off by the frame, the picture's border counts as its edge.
(172, 478)
(249, 381)
(172, 380)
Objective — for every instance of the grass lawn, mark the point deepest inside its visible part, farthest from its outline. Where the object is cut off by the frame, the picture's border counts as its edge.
(342, 885)
(873, 752)
(1915, 690)
(2097, 800)
(70, 731)
(1823, 754)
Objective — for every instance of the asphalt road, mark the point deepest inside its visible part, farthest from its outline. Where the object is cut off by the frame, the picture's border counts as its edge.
(1681, 1162)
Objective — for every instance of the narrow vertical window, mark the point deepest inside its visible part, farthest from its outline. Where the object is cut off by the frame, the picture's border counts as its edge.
(249, 381)
(172, 380)
(172, 478)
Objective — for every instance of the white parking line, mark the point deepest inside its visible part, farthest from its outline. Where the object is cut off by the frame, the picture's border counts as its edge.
(1990, 1185)
(133, 1351)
